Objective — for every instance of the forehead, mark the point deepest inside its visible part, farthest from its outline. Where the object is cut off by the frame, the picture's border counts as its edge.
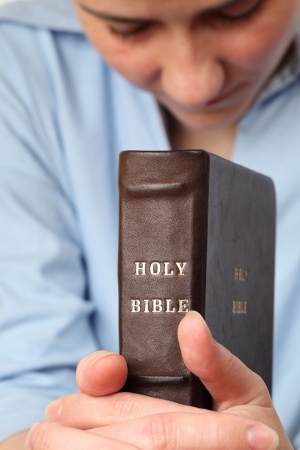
(152, 7)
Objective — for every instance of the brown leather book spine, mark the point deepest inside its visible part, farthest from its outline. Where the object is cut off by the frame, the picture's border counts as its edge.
(196, 232)
(162, 259)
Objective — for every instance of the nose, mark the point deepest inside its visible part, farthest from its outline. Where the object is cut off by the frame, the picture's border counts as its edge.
(191, 74)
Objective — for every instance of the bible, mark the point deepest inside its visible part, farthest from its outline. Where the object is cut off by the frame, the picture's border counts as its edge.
(196, 232)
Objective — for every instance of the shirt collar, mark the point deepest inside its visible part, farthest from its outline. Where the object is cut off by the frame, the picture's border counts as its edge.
(286, 75)
(57, 15)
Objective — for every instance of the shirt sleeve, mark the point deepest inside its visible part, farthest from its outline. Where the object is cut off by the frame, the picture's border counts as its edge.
(44, 316)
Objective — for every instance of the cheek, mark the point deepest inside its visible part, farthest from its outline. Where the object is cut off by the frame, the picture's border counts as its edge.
(138, 65)
(260, 45)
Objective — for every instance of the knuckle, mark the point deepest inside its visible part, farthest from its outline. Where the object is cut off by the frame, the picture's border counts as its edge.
(124, 406)
(231, 362)
(262, 393)
(219, 434)
(159, 432)
(216, 435)
(44, 439)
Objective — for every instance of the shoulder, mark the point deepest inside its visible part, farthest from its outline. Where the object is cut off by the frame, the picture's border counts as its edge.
(30, 45)
(44, 72)
(41, 42)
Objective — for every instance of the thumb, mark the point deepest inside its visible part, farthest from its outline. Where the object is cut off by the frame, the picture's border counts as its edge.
(101, 373)
(228, 380)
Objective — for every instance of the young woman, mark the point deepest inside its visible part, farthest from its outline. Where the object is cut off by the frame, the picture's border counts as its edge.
(214, 74)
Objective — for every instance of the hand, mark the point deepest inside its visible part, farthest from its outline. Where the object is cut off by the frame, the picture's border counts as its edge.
(242, 406)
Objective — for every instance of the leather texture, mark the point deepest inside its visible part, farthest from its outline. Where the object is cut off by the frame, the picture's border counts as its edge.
(196, 232)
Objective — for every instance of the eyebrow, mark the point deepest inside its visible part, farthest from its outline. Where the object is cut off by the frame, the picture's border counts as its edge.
(124, 19)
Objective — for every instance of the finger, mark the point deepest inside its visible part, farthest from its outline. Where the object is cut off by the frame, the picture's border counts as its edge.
(101, 373)
(46, 436)
(208, 430)
(85, 412)
(227, 379)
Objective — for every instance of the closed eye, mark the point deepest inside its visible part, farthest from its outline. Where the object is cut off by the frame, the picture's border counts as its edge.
(240, 11)
(127, 30)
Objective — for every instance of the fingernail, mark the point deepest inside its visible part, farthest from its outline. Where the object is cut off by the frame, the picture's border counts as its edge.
(262, 438)
(101, 354)
(53, 411)
(31, 435)
(195, 313)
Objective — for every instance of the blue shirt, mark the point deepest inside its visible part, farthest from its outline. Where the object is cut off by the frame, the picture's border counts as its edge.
(64, 118)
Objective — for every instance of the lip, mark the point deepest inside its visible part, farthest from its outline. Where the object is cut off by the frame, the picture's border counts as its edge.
(224, 99)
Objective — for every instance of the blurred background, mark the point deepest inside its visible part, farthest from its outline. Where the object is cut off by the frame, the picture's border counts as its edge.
(5, 1)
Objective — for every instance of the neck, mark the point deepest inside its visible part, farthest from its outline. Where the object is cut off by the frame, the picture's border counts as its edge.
(220, 142)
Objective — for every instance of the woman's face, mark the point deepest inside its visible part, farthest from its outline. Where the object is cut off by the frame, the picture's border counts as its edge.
(205, 60)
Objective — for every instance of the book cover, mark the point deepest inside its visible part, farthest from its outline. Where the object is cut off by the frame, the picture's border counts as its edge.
(196, 232)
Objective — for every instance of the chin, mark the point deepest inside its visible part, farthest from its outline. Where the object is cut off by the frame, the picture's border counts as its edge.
(209, 120)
